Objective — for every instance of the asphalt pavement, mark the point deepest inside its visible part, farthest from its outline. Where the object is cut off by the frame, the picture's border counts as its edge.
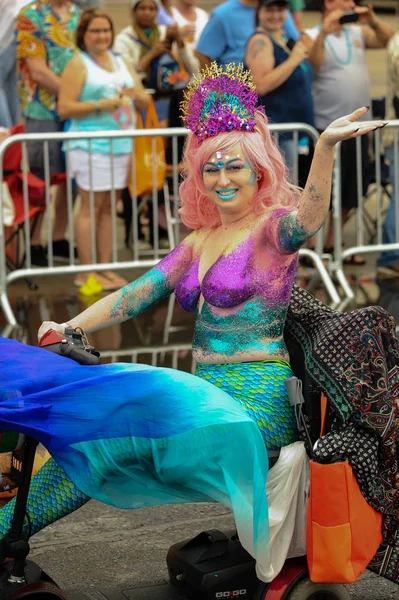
(100, 547)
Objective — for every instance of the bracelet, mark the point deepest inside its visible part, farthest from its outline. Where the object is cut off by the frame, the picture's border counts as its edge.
(97, 108)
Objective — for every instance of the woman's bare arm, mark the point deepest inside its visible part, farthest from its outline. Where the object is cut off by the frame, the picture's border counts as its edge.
(288, 229)
(315, 199)
(135, 297)
(260, 60)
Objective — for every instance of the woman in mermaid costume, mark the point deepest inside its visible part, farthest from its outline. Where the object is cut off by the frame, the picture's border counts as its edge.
(133, 435)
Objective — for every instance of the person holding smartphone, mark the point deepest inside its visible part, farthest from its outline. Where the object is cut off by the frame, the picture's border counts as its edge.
(281, 72)
(337, 52)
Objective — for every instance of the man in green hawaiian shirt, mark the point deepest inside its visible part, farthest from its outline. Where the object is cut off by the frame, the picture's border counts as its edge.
(46, 43)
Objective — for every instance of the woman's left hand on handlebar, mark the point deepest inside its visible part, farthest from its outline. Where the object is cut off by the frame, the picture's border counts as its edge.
(47, 325)
(348, 127)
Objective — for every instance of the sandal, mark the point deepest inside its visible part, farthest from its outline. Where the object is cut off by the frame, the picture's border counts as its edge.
(91, 287)
(351, 261)
(93, 284)
(111, 281)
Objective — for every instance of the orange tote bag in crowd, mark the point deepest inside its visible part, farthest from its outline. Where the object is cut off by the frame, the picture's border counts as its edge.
(148, 154)
(343, 530)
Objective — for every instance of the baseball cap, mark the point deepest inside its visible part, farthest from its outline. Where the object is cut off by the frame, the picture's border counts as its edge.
(274, 2)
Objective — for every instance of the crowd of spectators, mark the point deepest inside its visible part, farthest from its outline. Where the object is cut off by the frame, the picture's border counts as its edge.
(311, 76)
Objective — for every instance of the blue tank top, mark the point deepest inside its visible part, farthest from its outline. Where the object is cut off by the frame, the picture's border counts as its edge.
(292, 101)
(99, 84)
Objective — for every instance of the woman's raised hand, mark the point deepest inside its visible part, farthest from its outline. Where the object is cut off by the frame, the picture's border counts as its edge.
(47, 325)
(349, 127)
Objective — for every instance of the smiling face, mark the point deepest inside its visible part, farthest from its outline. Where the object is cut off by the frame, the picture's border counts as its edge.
(98, 36)
(272, 17)
(229, 180)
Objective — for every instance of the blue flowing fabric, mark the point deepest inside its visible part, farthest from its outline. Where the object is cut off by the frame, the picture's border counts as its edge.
(187, 440)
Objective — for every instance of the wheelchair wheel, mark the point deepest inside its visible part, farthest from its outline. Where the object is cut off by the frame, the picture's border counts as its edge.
(42, 590)
(307, 590)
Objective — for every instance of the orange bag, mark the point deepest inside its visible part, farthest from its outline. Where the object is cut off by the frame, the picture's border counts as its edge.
(343, 530)
(142, 176)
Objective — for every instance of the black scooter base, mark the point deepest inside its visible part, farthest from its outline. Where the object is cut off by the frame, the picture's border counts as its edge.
(37, 584)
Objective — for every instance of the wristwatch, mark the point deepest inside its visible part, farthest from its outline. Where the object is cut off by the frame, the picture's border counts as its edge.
(97, 109)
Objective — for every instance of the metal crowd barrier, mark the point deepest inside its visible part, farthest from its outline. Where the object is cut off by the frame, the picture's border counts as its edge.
(140, 257)
(174, 356)
(369, 225)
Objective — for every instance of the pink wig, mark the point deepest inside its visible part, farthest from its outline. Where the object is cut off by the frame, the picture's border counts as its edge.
(264, 157)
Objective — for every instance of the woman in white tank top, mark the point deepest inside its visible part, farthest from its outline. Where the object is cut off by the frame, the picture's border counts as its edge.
(98, 93)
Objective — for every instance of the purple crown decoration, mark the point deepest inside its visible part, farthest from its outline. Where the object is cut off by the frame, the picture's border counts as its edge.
(218, 100)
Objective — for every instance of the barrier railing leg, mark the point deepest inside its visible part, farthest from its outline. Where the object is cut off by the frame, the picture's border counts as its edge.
(8, 312)
(341, 278)
(324, 275)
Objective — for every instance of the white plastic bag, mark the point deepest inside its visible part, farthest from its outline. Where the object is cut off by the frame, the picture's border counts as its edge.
(8, 206)
(287, 489)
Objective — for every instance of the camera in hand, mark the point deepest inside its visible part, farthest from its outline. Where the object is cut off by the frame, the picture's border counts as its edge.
(349, 17)
(72, 344)
(290, 43)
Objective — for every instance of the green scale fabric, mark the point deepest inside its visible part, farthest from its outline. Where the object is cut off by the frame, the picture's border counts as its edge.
(52, 495)
(260, 389)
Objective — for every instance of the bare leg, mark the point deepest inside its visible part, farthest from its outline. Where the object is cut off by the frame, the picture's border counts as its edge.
(60, 212)
(104, 228)
(103, 233)
(83, 230)
(104, 237)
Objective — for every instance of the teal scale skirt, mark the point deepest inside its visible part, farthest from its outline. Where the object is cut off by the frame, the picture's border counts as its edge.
(260, 389)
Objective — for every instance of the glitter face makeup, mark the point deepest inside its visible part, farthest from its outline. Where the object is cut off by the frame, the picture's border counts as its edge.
(228, 177)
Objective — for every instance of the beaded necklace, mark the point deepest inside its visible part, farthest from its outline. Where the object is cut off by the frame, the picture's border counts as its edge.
(348, 46)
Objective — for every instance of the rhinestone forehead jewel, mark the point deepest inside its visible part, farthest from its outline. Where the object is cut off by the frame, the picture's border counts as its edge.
(218, 100)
